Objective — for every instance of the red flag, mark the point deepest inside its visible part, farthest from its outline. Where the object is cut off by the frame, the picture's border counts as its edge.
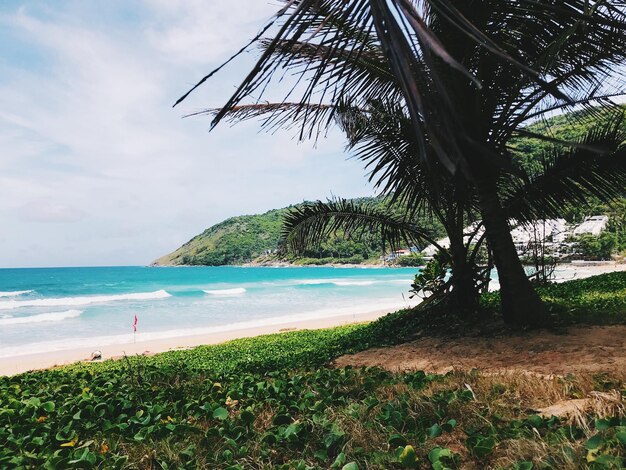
(135, 325)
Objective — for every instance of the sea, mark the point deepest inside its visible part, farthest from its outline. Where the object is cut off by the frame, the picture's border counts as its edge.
(52, 309)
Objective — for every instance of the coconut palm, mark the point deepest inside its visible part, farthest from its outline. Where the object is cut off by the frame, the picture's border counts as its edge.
(380, 136)
(471, 74)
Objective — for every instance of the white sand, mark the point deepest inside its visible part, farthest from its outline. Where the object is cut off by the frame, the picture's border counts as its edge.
(19, 364)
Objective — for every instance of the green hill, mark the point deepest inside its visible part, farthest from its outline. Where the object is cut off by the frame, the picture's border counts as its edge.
(248, 238)
(233, 241)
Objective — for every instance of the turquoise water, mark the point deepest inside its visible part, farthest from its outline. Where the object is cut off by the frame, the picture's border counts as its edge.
(49, 309)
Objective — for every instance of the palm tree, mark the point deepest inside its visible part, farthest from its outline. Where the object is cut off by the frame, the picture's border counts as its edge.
(380, 136)
(470, 74)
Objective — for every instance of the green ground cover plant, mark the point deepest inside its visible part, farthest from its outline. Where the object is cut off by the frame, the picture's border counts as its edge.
(598, 299)
(274, 402)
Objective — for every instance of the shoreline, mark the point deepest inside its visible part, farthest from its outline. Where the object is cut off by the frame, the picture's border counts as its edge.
(575, 264)
(14, 365)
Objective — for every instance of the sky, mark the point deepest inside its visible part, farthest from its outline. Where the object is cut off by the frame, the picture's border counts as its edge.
(97, 168)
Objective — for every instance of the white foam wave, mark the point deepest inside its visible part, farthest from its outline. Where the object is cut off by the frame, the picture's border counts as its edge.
(235, 291)
(348, 313)
(42, 317)
(313, 282)
(353, 283)
(15, 293)
(79, 301)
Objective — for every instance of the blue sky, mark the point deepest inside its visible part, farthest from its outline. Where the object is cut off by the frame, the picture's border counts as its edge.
(98, 169)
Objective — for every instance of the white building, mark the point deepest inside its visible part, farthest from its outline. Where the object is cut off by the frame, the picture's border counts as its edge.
(555, 232)
(594, 225)
(551, 230)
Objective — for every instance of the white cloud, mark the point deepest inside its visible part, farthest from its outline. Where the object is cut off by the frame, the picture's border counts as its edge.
(48, 212)
(201, 32)
(89, 136)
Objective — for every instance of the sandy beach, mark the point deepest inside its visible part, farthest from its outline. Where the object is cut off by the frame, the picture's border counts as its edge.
(19, 364)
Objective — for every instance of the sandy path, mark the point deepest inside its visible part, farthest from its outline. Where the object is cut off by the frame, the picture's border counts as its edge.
(581, 349)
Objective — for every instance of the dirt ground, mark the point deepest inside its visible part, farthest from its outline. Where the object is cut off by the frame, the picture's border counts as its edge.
(580, 349)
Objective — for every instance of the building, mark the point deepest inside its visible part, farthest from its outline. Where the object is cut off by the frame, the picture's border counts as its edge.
(553, 233)
(594, 225)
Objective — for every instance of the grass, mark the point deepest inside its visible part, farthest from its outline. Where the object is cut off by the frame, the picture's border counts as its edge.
(270, 402)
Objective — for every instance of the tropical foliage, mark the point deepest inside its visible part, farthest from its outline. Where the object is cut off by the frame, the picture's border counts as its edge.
(270, 402)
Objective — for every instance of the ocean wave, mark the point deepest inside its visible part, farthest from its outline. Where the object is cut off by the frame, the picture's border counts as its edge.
(336, 282)
(79, 301)
(353, 283)
(235, 291)
(101, 342)
(42, 317)
(313, 282)
(15, 293)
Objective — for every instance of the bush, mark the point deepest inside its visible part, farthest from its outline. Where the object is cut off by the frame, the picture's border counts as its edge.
(414, 259)
(597, 248)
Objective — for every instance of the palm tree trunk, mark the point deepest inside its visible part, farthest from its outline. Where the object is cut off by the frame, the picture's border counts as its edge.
(521, 305)
(464, 290)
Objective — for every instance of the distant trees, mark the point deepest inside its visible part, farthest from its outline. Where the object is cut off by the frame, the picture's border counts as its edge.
(596, 247)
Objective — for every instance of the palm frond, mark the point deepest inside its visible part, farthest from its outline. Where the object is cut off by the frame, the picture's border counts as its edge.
(572, 176)
(276, 116)
(311, 223)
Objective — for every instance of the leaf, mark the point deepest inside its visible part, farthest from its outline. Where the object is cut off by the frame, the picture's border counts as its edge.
(48, 406)
(397, 440)
(350, 466)
(220, 413)
(484, 446)
(71, 443)
(247, 417)
(525, 465)
(621, 436)
(594, 442)
(340, 460)
(602, 424)
(449, 426)
(438, 453)
(292, 430)
(434, 431)
(408, 457)
(592, 455)
(281, 419)
(269, 438)
(86, 456)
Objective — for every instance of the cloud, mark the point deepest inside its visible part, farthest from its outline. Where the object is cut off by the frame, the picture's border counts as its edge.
(92, 147)
(47, 212)
(200, 32)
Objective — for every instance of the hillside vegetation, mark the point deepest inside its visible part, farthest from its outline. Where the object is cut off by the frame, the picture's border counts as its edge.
(273, 402)
(247, 238)
(233, 241)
